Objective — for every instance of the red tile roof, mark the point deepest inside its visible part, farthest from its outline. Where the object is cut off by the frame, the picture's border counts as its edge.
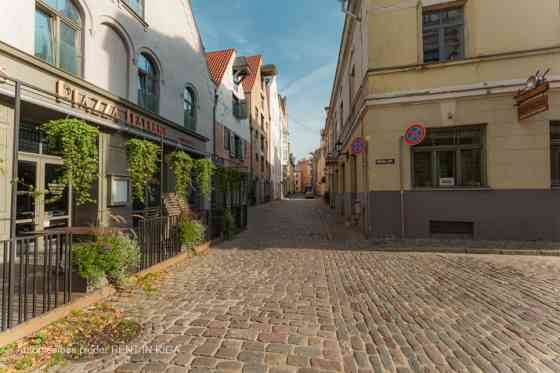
(254, 63)
(217, 63)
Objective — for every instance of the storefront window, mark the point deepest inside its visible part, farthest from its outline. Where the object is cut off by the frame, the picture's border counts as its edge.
(32, 140)
(450, 157)
(56, 195)
(27, 181)
(148, 92)
(58, 28)
(555, 152)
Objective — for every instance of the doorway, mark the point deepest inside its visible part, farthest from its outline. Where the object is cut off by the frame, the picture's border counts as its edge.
(42, 202)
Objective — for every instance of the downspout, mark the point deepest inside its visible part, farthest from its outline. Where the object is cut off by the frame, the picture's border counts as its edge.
(401, 172)
(214, 158)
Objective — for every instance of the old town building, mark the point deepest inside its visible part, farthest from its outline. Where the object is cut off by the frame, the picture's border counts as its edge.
(489, 165)
(133, 70)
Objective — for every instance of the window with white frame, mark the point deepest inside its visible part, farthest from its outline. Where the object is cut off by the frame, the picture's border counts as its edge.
(190, 108)
(148, 83)
(119, 191)
(58, 34)
(443, 34)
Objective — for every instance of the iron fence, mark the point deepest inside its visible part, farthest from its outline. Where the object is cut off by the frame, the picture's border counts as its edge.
(159, 239)
(36, 276)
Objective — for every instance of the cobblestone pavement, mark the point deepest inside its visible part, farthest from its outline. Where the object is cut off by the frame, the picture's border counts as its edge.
(290, 296)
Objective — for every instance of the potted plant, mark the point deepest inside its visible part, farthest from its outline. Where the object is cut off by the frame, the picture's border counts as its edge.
(192, 232)
(110, 259)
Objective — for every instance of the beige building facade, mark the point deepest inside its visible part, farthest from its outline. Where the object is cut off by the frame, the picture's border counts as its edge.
(455, 68)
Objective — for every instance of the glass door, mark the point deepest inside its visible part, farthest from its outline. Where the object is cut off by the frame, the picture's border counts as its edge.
(56, 212)
(26, 197)
(42, 202)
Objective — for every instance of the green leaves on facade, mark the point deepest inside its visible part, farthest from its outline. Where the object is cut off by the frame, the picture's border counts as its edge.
(143, 157)
(205, 169)
(182, 164)
(228, 178)
(76, 142)
(192, 232)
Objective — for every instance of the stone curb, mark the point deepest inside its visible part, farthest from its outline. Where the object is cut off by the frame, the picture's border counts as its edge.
(520, 252)
(32, 326)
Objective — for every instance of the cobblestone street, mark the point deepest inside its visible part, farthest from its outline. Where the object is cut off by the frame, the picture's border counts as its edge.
(290, 295)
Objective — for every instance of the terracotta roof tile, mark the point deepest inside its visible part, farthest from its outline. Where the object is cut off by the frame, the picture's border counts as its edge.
(217, 63)
(254, 63)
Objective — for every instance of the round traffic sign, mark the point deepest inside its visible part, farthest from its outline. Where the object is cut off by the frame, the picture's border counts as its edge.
(415, 134)
(358, 146)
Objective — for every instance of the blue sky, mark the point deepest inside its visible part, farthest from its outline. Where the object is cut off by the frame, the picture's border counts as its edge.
(301, 37)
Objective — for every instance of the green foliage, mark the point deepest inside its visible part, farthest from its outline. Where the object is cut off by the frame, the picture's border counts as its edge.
(204, 168)
(12, 346)
(229, 224)
(182, 165)
(113, 256)
(192, 232)
(228, 178)
(76, 142)
(143, 159)
(24, 363)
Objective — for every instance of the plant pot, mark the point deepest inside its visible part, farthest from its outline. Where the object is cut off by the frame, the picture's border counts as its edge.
(82, 285)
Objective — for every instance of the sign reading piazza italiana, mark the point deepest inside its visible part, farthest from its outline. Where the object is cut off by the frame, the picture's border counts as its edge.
(97, 106)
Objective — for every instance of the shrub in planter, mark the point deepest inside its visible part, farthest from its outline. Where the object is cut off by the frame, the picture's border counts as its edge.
(192, 232)
(113, 257)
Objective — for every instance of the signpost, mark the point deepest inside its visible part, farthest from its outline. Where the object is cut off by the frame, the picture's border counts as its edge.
(415, 134)
(534, 98)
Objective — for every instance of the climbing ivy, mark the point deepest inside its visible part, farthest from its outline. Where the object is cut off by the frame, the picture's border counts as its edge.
(76, 142)
(228, 178)
(182, 164)
(204, 168)
(143, 159)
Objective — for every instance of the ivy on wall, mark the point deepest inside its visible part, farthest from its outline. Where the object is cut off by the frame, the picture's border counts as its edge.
(76, 142)
(182, 164)
(205, 169)
(143, 159)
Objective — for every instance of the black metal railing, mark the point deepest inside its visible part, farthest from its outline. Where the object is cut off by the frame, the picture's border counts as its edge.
(36, 276)
(159, 239)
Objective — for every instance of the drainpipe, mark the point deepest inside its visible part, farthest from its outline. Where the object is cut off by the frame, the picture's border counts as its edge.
(401, 172)
(216, 96)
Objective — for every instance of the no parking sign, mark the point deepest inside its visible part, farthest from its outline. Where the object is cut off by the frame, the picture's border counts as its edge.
(415, 134)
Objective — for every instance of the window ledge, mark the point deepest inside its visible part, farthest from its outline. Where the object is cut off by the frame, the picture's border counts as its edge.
(135, 15)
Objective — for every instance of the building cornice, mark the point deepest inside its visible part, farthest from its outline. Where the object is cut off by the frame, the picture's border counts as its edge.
(34, 62)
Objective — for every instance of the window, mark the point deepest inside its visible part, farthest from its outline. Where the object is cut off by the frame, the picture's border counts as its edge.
(190, 109)
(262, 121)
(148, 80)
(137, 6)
(238, 147)
(119, 191)
(555, 152)
(227, 145)
(58, 29)
(450, 157)
(443, 35)
(262, 143)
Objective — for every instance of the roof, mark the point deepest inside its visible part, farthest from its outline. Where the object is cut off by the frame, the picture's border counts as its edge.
(249, 81)
(218, 62)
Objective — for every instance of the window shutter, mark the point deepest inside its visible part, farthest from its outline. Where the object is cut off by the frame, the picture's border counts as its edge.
(232, 144)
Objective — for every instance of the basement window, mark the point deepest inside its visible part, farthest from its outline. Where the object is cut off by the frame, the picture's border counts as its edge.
(451, 229)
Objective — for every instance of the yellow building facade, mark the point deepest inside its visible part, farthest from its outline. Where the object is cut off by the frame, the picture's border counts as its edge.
(454, 68)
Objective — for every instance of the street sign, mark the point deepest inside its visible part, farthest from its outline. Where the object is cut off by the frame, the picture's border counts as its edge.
(534, 98)
(358, 146)
(385, 161)
(415, 134)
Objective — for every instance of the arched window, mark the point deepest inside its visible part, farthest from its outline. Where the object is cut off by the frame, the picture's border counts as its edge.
(190, 109)
(58, 34)
(148, 81)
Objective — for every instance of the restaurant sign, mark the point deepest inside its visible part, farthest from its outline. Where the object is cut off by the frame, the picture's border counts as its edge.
(105, 109)
(533, 99)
